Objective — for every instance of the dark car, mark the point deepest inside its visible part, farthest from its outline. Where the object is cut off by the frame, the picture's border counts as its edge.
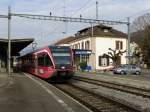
(127, 69)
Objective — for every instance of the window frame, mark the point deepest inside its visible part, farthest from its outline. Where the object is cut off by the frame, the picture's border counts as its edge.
(42, 62)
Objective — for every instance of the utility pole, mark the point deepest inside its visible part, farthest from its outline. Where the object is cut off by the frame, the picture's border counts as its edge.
(91, 29)
(96, 9)
(9, 41)
(129, 36)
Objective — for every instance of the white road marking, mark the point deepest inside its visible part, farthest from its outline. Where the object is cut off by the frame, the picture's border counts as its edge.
(69, 109)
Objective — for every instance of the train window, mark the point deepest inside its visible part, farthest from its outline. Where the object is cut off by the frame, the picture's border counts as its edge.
(41, 61)
(44, 61)
(47, 61)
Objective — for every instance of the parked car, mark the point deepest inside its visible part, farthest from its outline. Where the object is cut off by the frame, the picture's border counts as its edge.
(127, 69)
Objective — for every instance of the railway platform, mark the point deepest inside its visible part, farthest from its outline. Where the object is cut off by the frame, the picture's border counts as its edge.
(3, 79)
(21, 92)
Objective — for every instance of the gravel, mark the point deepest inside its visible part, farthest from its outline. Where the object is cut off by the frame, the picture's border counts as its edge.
(145, 84)
(126, 98)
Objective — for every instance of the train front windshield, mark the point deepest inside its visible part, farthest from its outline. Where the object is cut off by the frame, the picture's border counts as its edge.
(62, 56)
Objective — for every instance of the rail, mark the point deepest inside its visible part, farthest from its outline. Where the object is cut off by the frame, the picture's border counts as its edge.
(93, 101)
(124, 88)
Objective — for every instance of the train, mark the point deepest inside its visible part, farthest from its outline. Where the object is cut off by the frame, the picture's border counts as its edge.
(50, 62)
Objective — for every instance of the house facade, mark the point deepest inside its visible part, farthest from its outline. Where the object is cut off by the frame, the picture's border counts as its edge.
(98, 39)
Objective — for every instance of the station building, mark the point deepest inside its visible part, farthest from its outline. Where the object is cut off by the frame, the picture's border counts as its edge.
(92, 45)
(16, 46)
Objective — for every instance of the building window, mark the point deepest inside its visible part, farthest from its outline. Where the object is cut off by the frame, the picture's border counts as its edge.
(82, 45)
(87, 45)
(73, 46)
(119, 45)
(78, 45)
(105, 30)
(104, 60)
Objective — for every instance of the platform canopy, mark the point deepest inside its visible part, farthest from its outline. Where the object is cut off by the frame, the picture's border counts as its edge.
(16, 45)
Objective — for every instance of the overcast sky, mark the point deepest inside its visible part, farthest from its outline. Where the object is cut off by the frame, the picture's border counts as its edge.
(46, 32)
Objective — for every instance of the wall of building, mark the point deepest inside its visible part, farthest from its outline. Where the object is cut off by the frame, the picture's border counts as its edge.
(99, 46)
(102, 46)
(82, 44)
(78, 43)
(92, 58)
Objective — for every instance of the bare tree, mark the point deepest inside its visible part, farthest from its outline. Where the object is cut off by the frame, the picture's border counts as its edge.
(141, 22)
(137, 56)
(115, 56)
(146, 45)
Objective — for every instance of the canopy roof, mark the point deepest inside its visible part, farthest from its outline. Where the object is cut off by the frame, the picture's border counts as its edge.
(16, 45)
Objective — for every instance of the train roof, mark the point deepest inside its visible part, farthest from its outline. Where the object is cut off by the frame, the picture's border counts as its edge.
(51, 46)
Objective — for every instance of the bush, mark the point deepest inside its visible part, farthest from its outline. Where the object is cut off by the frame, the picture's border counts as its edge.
(83, 65)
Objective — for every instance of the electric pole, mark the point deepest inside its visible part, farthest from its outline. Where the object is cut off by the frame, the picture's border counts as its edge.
(129, 36)
(9, 41)
(96, 9)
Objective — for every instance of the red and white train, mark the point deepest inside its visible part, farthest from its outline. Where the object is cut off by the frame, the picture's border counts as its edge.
(49, 62)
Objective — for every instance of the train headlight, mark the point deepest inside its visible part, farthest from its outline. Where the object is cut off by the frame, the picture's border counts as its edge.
(63, 67)
(41, 71)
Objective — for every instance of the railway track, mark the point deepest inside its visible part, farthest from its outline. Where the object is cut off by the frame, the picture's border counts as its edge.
(94, 101)
(124, 88)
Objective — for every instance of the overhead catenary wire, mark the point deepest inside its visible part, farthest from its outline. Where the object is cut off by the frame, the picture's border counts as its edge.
(66, 24)
(68, 19)
(3, 16)
(136, 14)
(84, 5)
(64, 14)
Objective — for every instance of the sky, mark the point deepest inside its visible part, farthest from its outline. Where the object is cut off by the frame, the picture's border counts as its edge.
(47, 32)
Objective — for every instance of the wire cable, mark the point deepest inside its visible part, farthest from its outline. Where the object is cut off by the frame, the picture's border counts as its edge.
(84, 5)
(136, 14)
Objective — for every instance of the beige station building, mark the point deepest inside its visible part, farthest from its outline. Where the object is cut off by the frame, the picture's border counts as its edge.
(92, 45)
